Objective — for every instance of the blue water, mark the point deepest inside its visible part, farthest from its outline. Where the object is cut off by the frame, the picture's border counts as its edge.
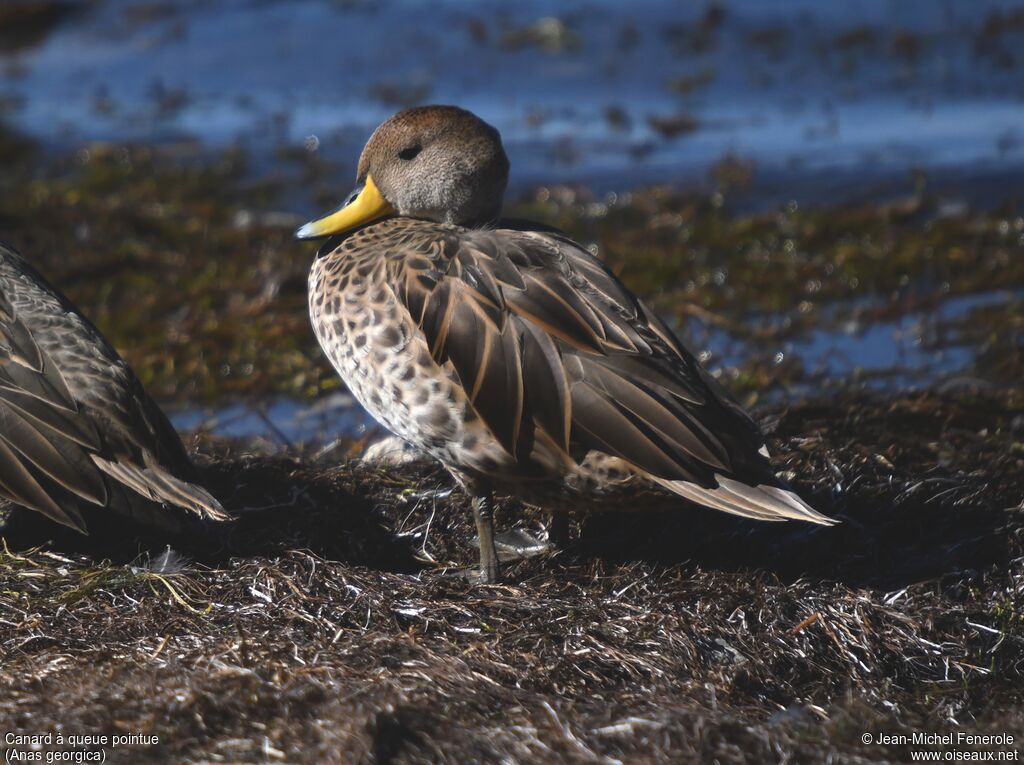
(905, 351)
(797, 86)
(279, 423)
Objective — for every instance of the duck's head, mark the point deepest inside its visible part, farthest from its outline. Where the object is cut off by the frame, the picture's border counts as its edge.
(439, 163)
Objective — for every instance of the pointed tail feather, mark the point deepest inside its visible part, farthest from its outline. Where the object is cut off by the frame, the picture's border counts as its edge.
(762, 503)
(160, 486)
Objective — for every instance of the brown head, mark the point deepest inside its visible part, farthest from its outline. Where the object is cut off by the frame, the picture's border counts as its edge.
(439, 163)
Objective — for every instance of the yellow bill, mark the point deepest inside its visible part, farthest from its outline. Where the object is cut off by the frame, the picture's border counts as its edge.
(366, 204)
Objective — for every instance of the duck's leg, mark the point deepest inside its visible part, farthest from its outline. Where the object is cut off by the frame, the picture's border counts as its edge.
(483, 514)
(559, 536)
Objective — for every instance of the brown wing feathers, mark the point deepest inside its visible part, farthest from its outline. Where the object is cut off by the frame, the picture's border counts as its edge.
(53, 457)
(486, 356)
(34, 403)
(552, 350)
(545, 340)
(551, 396)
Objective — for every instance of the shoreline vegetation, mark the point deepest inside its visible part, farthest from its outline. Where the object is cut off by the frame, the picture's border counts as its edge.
(189, 267)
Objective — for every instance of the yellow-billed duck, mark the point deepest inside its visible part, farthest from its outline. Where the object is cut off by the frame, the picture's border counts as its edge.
(509, 352)
(78, 434)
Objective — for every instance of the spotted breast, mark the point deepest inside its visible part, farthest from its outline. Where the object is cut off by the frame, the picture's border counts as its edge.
(382, 356)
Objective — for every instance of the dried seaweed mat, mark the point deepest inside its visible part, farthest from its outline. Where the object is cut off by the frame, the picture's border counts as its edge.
(323, 628)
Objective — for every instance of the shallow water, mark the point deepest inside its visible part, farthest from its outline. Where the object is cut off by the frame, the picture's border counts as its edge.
(902, 352)
(586, 91)
(280, 422)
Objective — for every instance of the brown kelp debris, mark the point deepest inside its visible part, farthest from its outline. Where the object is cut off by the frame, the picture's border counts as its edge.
(174, 262)
(312, 634)
(673, 125)
(699, 36)
(685, 84)
(400, 94)
(26, 23)
(551, 34)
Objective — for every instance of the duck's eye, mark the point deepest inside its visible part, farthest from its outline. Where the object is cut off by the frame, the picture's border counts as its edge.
(409, 153)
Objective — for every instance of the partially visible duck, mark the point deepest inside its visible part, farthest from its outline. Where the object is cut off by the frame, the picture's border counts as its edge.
(78, 434)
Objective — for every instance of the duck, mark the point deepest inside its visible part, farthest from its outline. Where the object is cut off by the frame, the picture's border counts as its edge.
(510, 353)
(80, 440)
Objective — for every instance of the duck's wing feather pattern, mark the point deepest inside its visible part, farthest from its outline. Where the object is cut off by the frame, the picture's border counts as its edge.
(551, 345)
(72, 414)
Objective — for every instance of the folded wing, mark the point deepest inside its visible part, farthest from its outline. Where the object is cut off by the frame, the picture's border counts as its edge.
(550, 345)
